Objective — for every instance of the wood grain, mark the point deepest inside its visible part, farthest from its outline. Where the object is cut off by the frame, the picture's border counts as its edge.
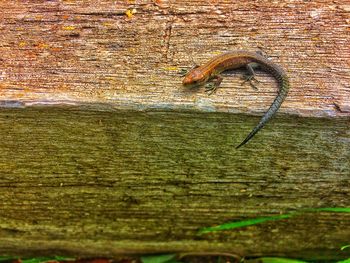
(104, 183)
(71, 52)
(137, 163)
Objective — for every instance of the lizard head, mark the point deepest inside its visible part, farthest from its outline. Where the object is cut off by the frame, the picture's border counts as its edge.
(195, 78)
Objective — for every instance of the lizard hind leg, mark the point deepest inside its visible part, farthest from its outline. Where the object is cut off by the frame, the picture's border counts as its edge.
(250, 76)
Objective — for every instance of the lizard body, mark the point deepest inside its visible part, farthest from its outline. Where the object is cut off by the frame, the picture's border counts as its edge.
(211, 70)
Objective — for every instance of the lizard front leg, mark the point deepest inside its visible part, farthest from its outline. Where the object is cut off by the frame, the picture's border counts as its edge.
(214, 83)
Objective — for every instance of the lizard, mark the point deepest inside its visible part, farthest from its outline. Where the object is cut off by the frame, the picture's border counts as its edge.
(209, 73)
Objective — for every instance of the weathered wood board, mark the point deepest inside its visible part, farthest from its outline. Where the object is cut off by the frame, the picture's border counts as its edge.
(55, 52)
(102, 183)
(137, 163)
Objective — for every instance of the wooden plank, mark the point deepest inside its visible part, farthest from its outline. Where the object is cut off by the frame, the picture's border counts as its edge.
(104, 183)
(71, 52)
(97, 180)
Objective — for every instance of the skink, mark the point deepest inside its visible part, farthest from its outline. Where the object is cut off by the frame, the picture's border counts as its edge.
(210, 73)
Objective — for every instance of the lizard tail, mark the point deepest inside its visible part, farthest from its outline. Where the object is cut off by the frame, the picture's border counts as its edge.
(284, 87)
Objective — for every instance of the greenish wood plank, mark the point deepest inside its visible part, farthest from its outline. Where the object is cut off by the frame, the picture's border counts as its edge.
(79, 181)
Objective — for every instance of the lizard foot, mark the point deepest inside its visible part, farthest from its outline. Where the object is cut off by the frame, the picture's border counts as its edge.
(183, 71)
(210, 88)
(250, 79)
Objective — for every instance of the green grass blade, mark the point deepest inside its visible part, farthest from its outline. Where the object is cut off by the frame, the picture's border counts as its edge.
(345, 247)
(237, 224)
(166, 258)
(333, 209)
(344, 261)
(45, 259)
(279, 260)
(60, 258)
(7, 258)
(249, 222)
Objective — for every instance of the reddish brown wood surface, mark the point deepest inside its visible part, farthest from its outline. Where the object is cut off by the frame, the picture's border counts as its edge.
(56, 52)
(102, 182)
